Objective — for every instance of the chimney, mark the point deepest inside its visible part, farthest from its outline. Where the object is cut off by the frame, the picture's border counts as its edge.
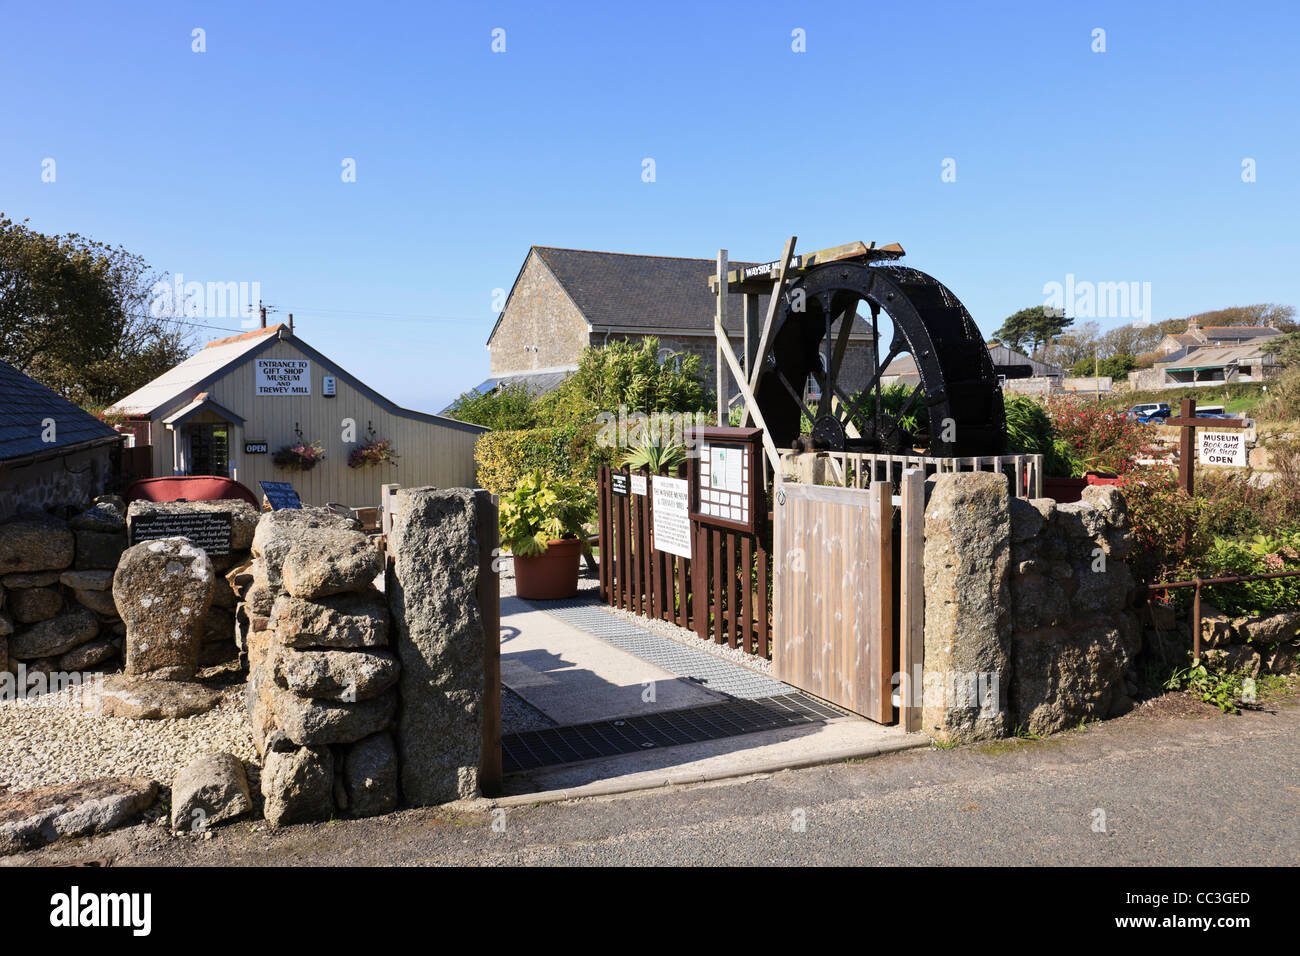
(262, 311)
(291, 323)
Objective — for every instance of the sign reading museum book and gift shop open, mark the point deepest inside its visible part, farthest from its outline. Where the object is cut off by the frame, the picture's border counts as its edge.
(283, 377)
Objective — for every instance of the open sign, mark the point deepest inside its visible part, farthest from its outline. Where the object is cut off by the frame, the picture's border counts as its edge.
(1226, 449)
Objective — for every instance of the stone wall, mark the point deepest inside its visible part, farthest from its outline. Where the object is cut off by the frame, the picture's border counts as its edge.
(58, 609)
(1027, 622)
(321, 688)
(57, 613)
(68, 481)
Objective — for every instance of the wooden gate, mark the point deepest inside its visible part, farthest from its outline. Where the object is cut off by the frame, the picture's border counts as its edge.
(847, 595)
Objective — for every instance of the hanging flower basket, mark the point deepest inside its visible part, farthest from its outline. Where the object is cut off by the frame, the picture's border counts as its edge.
(377, 451)
(299, 457)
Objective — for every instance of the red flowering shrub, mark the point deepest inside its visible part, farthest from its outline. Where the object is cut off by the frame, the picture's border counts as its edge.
(1104, 438)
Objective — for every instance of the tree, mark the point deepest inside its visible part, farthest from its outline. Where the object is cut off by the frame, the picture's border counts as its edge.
(1035, 326)
(1263, 313)
(510, 407)
(74, 314)
(633, 375)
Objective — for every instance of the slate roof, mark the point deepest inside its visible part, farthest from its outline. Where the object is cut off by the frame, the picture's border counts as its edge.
(1239, 332)
(26, 403)
(626, 291)
(1218, 356)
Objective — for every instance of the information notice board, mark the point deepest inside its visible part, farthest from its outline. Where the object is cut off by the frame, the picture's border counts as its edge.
(725, 477)
(670, 497)
(280, 494)
(209, 530)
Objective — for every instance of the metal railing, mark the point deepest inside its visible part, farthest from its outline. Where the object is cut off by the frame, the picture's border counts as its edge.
(1199, 583)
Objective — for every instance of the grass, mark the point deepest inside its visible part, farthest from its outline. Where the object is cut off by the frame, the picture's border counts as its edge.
(1235, 396)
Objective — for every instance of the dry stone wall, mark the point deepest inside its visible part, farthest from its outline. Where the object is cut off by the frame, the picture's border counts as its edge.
(1028, 620)
(322, 679)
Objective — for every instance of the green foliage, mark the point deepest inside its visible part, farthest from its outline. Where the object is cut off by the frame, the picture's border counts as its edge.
(1104, 439)
(1223, 689)
(75, 315)
(1031, 328)
(510, 407)
(1030, 432)
(506, 457)
(657, 456)
(1258, 554)
(1116, 367)
(540, 510)
(627, 374)
(893, 399)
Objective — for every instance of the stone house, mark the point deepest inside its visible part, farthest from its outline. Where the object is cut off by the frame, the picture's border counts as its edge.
(1177, 344)
(566, 299)
(53, 454)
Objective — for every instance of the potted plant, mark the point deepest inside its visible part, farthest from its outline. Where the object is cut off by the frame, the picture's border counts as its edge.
(541, 525)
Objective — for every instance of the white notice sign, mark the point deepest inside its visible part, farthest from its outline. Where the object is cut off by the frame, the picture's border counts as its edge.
(638, 485)
(1222, 448)
(283, 377)
(670, 498)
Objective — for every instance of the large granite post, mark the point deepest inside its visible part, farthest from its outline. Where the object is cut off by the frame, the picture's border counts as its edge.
(439, 636)
(967, 602)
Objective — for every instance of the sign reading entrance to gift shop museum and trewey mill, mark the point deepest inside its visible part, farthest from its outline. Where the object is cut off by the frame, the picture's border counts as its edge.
(283, 377)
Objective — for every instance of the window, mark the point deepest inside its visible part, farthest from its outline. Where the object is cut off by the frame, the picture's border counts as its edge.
(210, 450)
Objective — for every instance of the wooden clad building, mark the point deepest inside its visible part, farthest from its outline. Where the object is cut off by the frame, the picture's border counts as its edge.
(227, 409)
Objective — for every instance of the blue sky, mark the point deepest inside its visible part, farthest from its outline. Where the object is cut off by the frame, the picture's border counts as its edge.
(1122, 166)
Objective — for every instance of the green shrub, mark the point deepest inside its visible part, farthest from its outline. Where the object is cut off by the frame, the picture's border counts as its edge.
(1260, 554)
(542, 509)
(505, 458)
(510, 407)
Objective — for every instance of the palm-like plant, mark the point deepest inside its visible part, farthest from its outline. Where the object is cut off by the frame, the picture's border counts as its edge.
(655, 455)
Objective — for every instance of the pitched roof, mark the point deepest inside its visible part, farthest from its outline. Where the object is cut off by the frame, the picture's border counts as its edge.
(1240, 331)
(183, 380)
(626, 291)
(25, 404)
(1217, 356)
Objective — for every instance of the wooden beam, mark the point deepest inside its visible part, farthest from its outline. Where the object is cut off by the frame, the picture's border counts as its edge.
(765, 339)
(911, 596)
(755, 278)
(720, 319)
(747, 394)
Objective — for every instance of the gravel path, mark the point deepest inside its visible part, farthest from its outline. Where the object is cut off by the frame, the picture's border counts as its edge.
(51, 739)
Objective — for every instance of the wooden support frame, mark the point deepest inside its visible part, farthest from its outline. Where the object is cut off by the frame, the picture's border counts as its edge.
(911, 599)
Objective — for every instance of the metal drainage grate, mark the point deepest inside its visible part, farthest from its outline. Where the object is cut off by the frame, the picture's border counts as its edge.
(609, 738)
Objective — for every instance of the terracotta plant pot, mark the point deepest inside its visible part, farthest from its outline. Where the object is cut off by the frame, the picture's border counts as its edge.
(551, 575)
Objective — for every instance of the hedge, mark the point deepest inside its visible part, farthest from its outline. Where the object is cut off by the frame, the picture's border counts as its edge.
(566, 450)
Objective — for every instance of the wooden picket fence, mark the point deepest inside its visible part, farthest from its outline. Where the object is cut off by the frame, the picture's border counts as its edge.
(723, 594)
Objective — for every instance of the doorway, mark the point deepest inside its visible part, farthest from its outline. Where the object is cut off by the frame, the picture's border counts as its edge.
(209, 449)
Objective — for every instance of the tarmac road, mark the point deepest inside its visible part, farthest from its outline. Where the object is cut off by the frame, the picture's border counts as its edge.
(1201, 789)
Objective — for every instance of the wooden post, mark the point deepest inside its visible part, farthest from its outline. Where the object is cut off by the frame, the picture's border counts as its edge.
(1186, 448)
(387, 506)
(911, 617)
(751, 332)
(488, 592)
(719, 372)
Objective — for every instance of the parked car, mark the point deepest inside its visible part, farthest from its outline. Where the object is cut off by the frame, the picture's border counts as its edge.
(1149, 411)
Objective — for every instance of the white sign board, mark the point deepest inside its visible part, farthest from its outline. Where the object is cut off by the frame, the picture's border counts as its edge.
(1222, 448)
(638, 485)
(283, 377)
(670, 498)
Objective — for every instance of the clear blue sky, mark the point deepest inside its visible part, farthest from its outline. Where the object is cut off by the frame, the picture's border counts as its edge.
(225, 166)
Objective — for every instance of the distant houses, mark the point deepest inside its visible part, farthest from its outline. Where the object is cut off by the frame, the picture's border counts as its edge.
(1210, 355)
